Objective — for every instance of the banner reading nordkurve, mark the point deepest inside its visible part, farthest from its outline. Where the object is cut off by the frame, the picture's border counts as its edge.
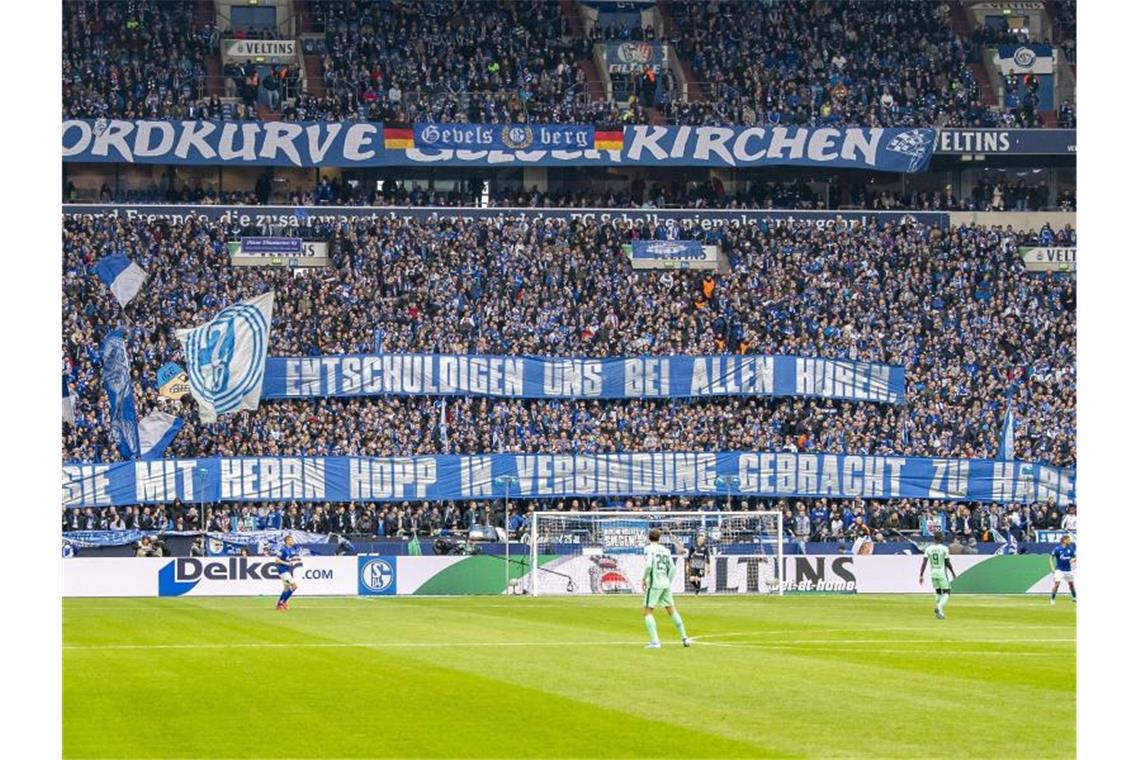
(554, 377)
(365, 144)
(764, 474)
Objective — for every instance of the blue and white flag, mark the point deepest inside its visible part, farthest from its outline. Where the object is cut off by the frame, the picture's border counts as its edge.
(68, 403)
(117, 382)
(1006, 448)
(1024, 59)
(258, 542)
(225, 357)
(124, 277)
(156, 431)
(443, 426)
(90, 538)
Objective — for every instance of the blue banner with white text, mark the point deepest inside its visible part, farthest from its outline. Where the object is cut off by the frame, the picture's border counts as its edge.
(1026, 142)
(556, 377)
(365, 144)
(489, 476)
(668, 250)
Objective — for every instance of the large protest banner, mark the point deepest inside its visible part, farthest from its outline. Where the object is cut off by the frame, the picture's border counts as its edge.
(762, 474)
(364, 144)
(556, 377)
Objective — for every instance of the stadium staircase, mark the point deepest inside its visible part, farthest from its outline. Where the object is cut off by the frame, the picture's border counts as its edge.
(1066, 85)
(205, 15)
(593, 79)
(305, 22)
(690, 86)
(307, 26)
(576, 29)
(960, 23)
(313, 77)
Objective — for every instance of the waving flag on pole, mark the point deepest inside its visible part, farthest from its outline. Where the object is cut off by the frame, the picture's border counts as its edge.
(156, 431)
(68, 403)
(124, 277)
(225, 357)
(1007, 435)
(117, 382)
(443, 426)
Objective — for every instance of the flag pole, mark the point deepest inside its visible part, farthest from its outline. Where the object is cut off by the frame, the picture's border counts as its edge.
(506, 481)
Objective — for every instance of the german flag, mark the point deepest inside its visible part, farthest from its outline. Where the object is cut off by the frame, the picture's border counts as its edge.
(605, 140)
(398, 137)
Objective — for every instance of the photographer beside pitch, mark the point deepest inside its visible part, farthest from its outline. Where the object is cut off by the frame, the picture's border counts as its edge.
(658, 584)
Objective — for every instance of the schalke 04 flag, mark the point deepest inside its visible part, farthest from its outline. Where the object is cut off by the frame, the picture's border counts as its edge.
(117, 382)
(225, 357)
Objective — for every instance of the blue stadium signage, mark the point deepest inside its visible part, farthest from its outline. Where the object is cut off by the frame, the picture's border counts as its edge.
(1043, 142)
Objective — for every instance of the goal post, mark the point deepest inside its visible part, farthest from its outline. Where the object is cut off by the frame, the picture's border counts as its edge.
(602, 552)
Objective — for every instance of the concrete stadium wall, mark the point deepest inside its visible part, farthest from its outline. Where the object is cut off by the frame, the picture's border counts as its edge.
(1020, 220)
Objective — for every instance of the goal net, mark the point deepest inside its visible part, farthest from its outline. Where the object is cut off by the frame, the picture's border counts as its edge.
(603, 552)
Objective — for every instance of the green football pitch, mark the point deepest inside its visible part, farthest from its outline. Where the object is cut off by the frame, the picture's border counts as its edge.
(802, 676)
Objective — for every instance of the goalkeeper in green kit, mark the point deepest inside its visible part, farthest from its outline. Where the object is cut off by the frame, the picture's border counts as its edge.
(658, 583)
(939, 558)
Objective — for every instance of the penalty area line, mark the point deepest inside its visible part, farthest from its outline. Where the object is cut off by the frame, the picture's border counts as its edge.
(939, 642)
(792, 649)
(361, 645)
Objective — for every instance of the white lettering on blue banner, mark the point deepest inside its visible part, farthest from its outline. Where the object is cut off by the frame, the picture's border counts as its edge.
(348, 144)
(762, 474)
(611, 378)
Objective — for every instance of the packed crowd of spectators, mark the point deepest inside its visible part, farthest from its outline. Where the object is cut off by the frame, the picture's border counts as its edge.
(839, 520)
(136, 59)
(826, 63)
(472, 60)
(953, 306)
(497, 61)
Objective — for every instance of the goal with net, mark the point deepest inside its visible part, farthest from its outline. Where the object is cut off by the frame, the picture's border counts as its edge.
(602, 552)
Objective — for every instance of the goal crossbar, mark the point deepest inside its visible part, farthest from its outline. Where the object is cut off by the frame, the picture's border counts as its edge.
(593, 559)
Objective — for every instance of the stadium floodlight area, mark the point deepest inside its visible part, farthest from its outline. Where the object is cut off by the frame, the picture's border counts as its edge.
(602, 552)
